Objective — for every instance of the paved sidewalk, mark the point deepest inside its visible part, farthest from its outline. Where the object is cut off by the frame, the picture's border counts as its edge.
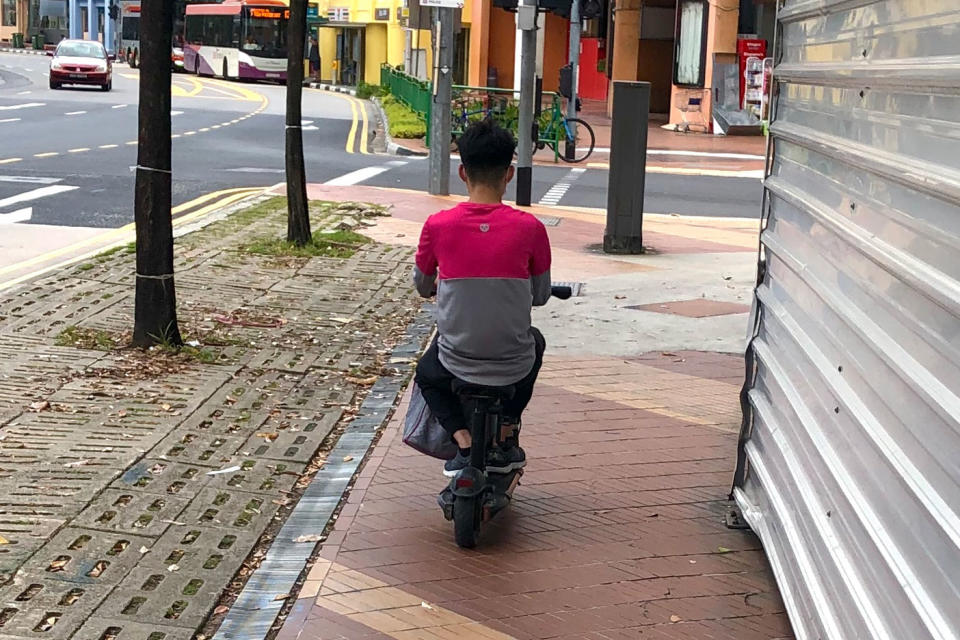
(617, 530)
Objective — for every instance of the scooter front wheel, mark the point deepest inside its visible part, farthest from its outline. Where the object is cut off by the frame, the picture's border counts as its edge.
(466, 521)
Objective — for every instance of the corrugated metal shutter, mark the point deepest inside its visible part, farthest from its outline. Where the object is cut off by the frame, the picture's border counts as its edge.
(850, 453)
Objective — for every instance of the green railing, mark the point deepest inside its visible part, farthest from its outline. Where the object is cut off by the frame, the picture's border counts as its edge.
(475, 103)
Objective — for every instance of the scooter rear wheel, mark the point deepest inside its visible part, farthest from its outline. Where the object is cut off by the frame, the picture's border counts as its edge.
(466, 521)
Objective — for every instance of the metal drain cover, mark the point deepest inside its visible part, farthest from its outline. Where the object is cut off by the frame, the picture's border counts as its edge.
(549, 221)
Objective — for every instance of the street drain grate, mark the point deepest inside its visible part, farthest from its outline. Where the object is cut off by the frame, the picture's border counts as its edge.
(577, 288)
(549, 221)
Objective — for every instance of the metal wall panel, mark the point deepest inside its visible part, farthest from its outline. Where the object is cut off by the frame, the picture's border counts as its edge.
(849, 467)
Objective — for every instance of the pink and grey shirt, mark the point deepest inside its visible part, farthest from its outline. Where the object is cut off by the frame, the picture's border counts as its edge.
(489, 264)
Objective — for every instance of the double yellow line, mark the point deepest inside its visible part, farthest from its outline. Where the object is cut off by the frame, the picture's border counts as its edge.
(182, 214)
(360, 122)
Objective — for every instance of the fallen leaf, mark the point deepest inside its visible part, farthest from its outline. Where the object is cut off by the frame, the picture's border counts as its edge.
(309, 538)
(144, 550)
(173, 567)
(57, 565)
(4, 540)
(723, 550)
(42, 405)
(269, 437)
(122, 413)
(653, 515)
(282, 596)
(221, 610)
(426, 606)
(347, 458)
(227, 470)
(166, 407)
(174, 522)
(619, 297)
(363, 382)
(675, 618)
(78, 463)
(693, 562)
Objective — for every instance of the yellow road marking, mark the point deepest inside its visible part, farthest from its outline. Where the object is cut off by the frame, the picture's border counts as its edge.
(352, 136)
(10, 160)
(78, 150)
(365, 135)
(229, 196)
(48, 154)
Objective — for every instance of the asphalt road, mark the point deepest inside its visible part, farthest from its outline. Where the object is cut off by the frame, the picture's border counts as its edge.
(68, 155)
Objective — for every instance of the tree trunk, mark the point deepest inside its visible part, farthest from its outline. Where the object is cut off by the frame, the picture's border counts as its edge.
(298, 215)
(155, 314)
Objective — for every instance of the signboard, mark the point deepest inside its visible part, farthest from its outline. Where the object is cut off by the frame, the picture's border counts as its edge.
(313, 11)
(338, 14)
(381, 14)
(269, 14)
(446, 4)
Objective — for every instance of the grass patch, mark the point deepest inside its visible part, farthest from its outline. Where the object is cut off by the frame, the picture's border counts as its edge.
(366, 91)
(82, 338)
(404, 122)
(86, 266)
(340, 244)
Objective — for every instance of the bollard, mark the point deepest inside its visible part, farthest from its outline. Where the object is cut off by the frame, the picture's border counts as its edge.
(628, 167)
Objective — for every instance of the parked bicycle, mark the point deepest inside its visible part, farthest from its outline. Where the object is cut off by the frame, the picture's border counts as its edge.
(561, 130)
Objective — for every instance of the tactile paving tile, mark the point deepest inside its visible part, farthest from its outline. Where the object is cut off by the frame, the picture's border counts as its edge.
(87, 557)
(98, 628)
(230, 511)
(298, 442)
(213, 446)
(141, 513)
(40, 607)
(158, 596)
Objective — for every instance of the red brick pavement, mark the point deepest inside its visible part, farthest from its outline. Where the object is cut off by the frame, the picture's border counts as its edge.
(616, 531)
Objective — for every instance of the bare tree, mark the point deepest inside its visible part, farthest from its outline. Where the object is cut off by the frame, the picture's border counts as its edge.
(298, 215)
(155, 314)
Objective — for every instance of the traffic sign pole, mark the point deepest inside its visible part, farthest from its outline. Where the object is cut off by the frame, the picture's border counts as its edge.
(440, 136)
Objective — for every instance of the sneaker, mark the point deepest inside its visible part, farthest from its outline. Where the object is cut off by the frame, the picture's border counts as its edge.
(506, 460)
(452, 467)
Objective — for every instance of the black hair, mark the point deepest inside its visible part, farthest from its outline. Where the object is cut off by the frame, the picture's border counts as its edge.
(486, 151)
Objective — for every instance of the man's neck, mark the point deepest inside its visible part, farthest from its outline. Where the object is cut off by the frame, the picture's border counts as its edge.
(485, 196)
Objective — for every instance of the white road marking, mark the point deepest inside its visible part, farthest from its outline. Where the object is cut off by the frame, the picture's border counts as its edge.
(108, 146)
(176, 113)
(10, 120)
(29, 179)
(121, 106)
(24, 93)
(255, 170)
(74, 113)
(21, 215)
(557, 191)
(42, 192)
(26, 105)
(360, 175)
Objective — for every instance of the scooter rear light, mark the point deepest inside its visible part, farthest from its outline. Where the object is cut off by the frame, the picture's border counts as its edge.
(464, 483)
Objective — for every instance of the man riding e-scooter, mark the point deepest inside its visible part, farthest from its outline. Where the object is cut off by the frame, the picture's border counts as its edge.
(488, 264)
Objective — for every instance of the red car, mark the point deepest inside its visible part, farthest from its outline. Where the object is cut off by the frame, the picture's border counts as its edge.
(81, 62)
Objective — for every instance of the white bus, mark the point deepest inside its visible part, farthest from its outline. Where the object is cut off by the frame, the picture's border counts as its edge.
(129, 50)
(237, 39)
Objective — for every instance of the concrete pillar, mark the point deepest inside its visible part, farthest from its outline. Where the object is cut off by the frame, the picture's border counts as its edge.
(75, 17)
(626, 44)
(479, 43)
(108, 29)
(92, 19)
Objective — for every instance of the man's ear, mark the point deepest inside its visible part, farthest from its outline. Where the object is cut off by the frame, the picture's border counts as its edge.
(510, 172)
(463, 174)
